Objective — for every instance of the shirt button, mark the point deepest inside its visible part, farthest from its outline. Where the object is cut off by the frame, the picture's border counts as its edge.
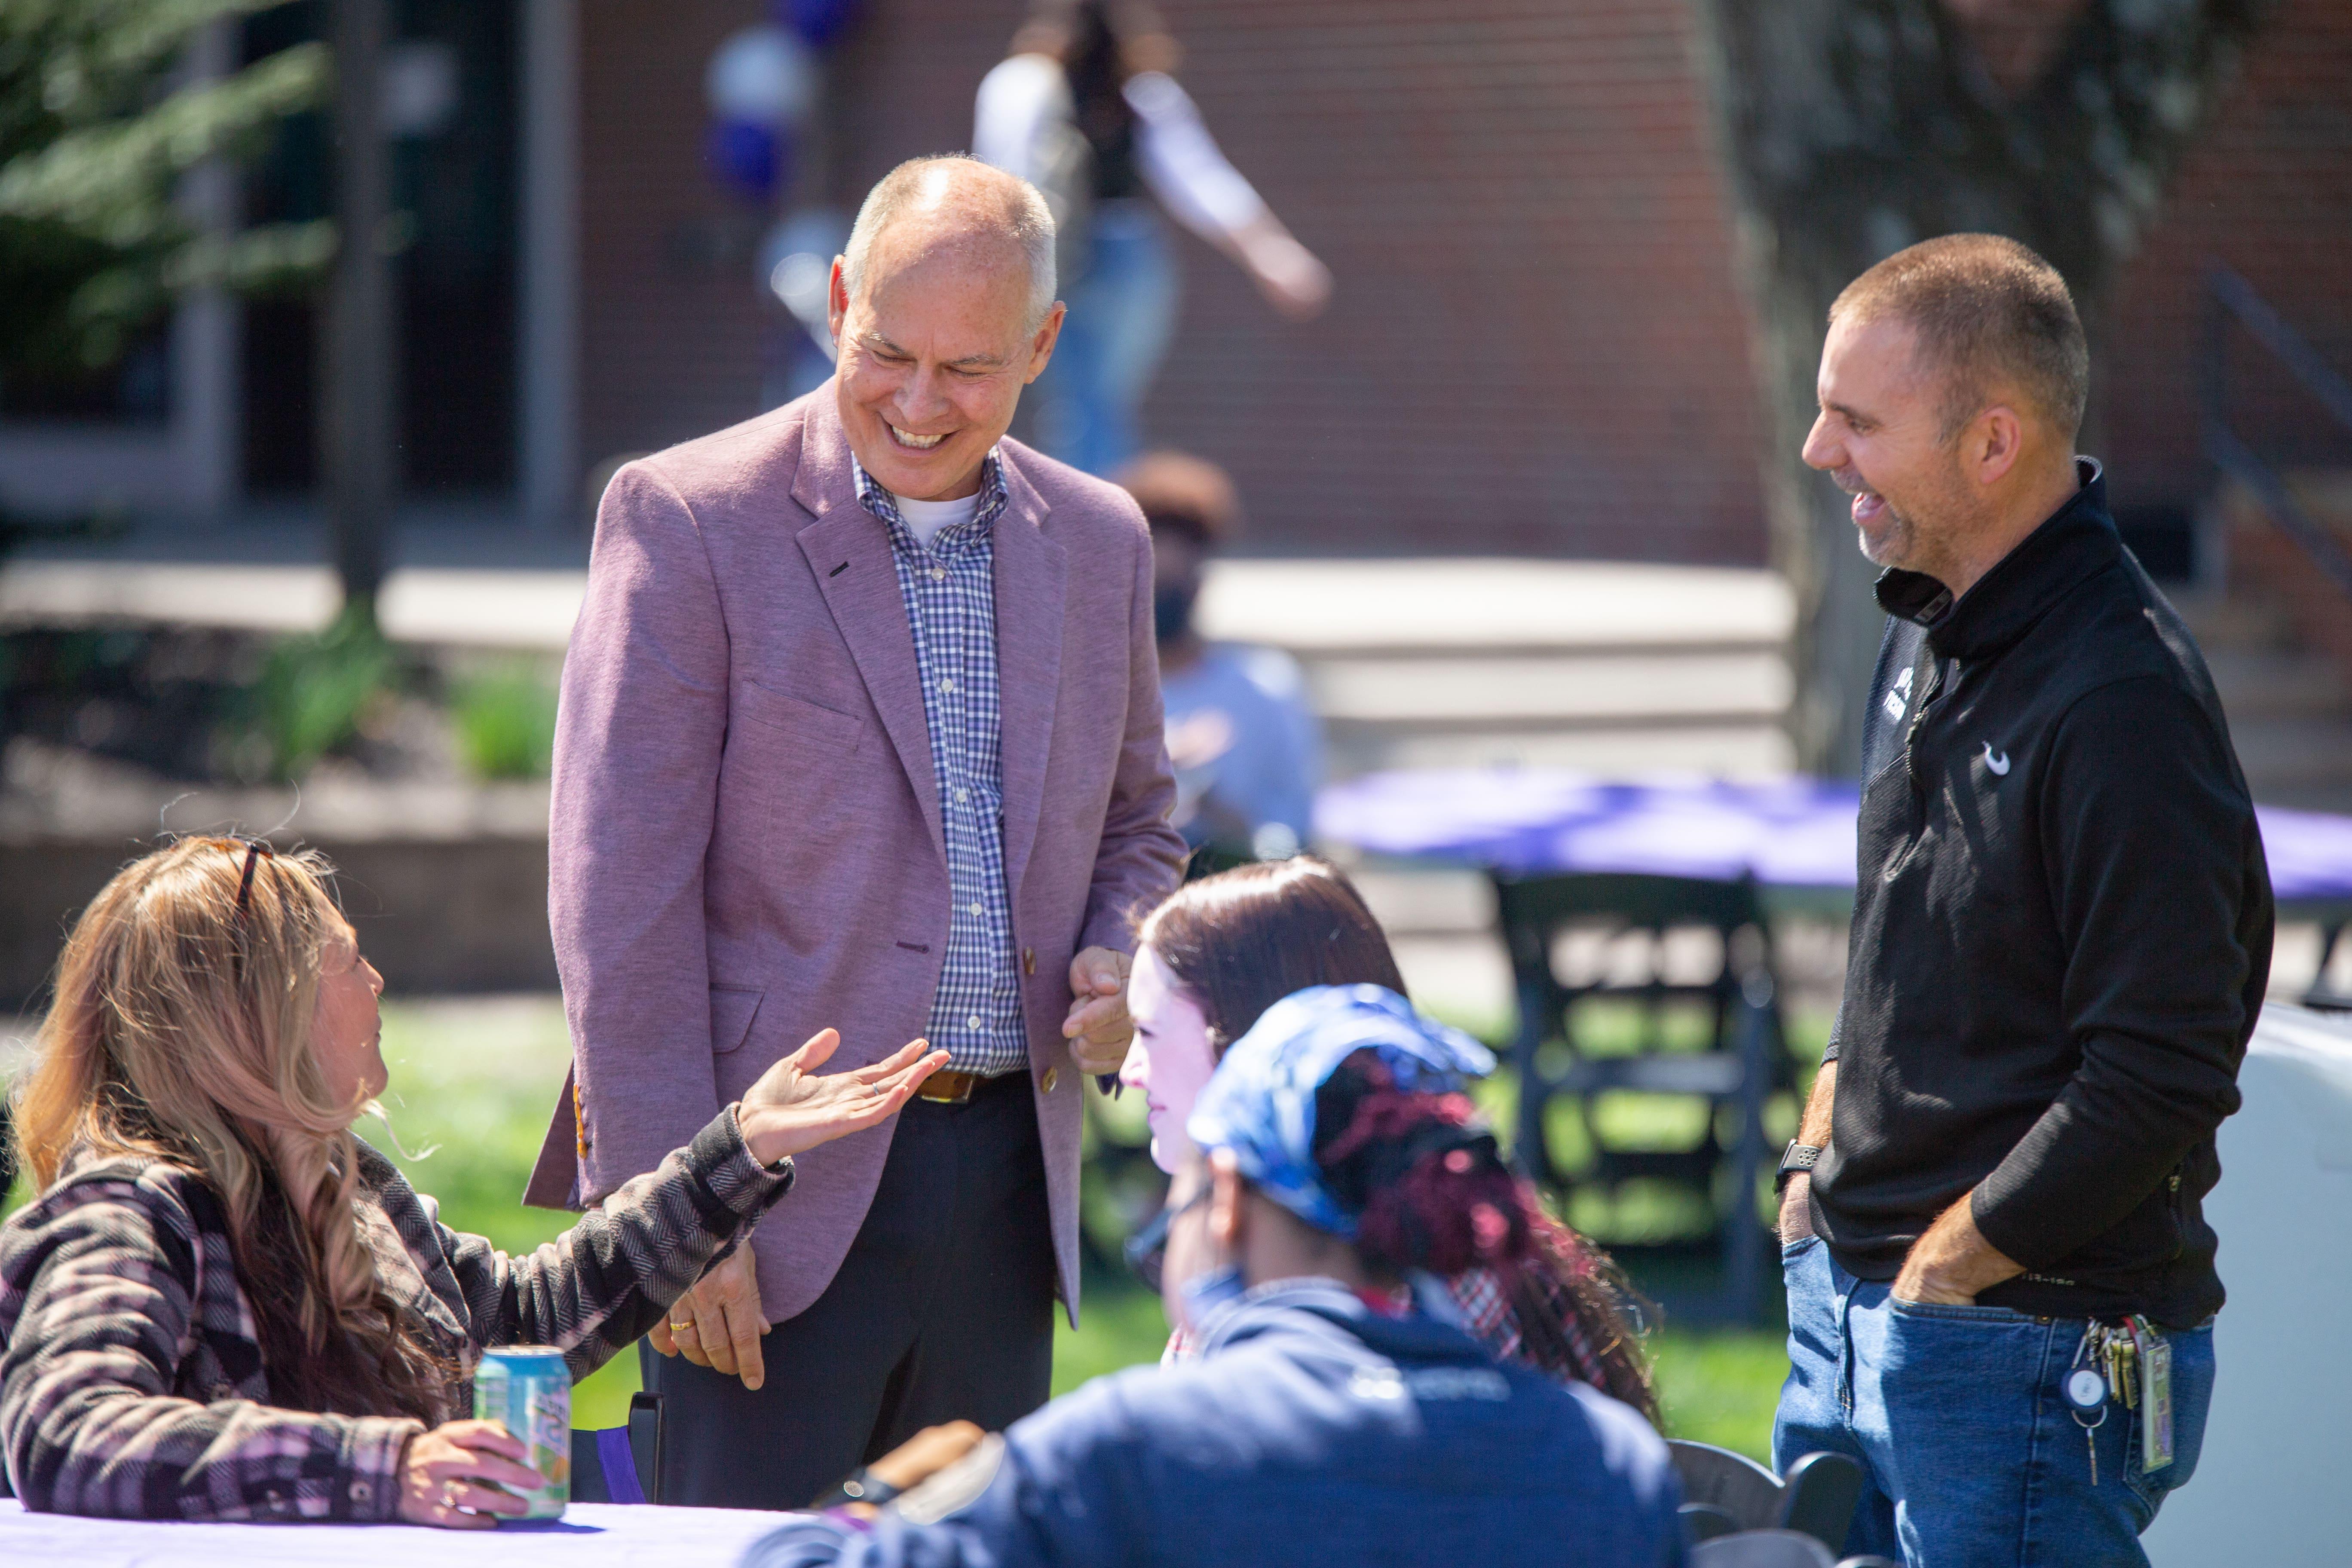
(975, 908)
(948, 684)
(1053, 1077)
(963, 796)
(938, 573)
(972, 1022)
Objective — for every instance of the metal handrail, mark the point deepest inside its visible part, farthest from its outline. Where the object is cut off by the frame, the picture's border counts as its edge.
(2232, 298)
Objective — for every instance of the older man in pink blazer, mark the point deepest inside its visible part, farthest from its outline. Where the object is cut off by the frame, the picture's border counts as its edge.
(861, 729)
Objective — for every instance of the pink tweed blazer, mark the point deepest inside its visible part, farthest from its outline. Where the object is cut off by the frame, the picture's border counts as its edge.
(746, 844)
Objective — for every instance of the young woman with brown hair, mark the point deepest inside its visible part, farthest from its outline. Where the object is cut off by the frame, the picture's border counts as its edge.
(224, 1306)
(1212, 959)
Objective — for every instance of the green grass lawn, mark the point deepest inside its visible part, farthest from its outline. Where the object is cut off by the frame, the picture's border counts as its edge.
(472, 1081)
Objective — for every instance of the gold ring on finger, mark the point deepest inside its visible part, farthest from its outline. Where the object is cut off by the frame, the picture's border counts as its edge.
(682, 1328)
(449, 1490)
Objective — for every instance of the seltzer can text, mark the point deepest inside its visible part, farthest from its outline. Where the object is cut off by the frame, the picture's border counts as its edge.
(529, 1389)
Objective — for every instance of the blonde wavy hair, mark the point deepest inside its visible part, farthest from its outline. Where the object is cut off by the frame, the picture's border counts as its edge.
(181, 1031)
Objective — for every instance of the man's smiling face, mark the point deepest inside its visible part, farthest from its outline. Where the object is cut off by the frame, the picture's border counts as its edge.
(935, 349)
(1880, 435)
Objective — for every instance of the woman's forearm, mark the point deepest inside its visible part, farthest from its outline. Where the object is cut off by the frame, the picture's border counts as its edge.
(598, 1286)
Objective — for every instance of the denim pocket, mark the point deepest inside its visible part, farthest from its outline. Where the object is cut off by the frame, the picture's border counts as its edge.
(1938, 1311)
(2193, 1394)
(1792, 1250)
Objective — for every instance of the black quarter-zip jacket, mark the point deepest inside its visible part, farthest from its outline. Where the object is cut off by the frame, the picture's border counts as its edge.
(2062, 933)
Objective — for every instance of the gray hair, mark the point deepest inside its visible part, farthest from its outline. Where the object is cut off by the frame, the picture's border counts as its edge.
(1023, 214)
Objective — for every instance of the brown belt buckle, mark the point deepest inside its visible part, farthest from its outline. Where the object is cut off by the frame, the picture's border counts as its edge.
(948, 1086)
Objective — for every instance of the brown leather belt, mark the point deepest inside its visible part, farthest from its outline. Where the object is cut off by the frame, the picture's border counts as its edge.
(949, 1086)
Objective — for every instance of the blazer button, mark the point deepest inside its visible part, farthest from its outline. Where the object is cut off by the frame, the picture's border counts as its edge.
(1053, 1076)
(1028, 960)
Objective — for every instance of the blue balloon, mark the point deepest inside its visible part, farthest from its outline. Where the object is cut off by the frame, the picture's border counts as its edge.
(818, 21)
(747, 160)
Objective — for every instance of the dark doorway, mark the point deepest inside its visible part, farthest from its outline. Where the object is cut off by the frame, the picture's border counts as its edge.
(452, 75)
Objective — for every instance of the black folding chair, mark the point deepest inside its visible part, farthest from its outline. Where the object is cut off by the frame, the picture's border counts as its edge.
(1723, 1493)
(621, 1464)
(1743, 1061)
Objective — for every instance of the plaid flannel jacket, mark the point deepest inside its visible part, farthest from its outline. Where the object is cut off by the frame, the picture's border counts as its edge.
(132, 1385)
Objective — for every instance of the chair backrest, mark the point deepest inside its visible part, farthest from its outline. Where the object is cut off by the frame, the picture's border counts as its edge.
(1762, 1548)
(1732, 1483)
(621, 1464)
(1819, 1496)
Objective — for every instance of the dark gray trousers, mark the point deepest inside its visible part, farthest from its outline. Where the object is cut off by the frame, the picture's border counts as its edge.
(942, 1310)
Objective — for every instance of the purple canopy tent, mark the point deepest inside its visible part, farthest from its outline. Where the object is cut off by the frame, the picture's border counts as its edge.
(1789, 834)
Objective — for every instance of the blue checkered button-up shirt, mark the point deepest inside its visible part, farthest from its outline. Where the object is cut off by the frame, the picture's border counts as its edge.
(950, 594)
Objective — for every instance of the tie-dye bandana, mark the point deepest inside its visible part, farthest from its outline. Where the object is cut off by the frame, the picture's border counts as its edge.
(1260, 1104)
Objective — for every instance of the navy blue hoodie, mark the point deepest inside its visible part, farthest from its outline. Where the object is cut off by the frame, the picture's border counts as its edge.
(1311, 1430)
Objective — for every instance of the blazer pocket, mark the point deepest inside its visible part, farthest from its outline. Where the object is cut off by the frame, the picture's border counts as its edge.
(796, 716)
(732, 1008)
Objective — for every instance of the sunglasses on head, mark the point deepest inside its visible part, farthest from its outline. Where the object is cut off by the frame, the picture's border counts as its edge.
(1147, 1249)
(253, 849)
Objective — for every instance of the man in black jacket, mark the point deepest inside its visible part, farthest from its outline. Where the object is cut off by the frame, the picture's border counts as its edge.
(2062, 932)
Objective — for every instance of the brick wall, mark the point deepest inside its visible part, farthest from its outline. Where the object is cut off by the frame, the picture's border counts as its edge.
(671, 330)
(2269, 192)
(1536, 345)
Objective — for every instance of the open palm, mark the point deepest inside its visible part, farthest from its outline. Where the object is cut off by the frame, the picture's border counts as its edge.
(793, 1107)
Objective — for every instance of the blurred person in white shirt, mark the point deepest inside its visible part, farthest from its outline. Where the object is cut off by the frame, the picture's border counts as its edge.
(1243, 737)
(1084, 108)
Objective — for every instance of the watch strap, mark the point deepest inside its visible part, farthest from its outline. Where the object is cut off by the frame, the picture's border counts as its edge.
(1797, 1157)
(863, 1486)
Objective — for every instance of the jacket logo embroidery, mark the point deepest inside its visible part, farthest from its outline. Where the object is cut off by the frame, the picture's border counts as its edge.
(1997, 761)
(1899, 697)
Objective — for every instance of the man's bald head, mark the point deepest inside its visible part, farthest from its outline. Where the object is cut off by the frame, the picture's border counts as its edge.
(957, 204)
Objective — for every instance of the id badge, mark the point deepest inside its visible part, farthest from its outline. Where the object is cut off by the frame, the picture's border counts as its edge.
(2154, 1403)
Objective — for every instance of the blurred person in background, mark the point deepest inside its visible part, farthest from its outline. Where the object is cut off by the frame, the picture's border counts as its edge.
(1212, 960)
(1328, 1419)
(222, 1305)
(861, 723)
(1244, 740)
(1084, 109)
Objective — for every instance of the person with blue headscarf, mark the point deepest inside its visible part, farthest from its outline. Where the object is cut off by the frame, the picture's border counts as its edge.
(1335, 1413)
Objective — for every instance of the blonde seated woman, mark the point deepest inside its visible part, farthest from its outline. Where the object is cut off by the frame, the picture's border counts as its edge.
(224, 1306)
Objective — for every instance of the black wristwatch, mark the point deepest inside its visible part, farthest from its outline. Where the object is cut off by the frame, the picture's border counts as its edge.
(863, 1486)
(1797, 1157)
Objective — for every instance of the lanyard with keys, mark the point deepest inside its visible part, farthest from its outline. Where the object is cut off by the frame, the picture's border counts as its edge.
(2127, 1360)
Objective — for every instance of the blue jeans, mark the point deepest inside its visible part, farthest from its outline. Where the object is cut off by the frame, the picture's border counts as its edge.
(1122, 313)
(1972, 1458)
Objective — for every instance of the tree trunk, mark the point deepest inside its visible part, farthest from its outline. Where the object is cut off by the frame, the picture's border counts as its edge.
(1851, 129)
(359, 434)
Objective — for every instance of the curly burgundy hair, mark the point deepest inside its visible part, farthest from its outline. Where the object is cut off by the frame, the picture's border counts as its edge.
(1432, 1193)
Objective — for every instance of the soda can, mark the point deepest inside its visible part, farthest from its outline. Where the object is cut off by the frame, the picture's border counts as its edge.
(529, 1389)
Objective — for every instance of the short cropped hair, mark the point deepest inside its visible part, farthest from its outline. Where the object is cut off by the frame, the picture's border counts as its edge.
(1988, 312)
(1183, 494)
(1025, 217)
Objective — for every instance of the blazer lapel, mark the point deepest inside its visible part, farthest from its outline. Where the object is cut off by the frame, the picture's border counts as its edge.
(848, 553)
(1032, 574)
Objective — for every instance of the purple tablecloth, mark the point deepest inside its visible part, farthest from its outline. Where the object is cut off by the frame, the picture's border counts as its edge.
(589, 1535)
(1790, 832)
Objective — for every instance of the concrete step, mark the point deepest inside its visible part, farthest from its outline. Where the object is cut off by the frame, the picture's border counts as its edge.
(2297, 761)
(2228, 623)
(2271, 685)
(1496, 605)
(1569, 687)
(1632, 751)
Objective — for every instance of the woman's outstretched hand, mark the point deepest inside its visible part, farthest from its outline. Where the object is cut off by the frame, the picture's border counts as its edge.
(793, 1109)
(451, 1469)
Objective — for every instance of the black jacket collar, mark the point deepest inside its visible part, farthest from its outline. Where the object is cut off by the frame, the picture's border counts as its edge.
(2078, 540)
